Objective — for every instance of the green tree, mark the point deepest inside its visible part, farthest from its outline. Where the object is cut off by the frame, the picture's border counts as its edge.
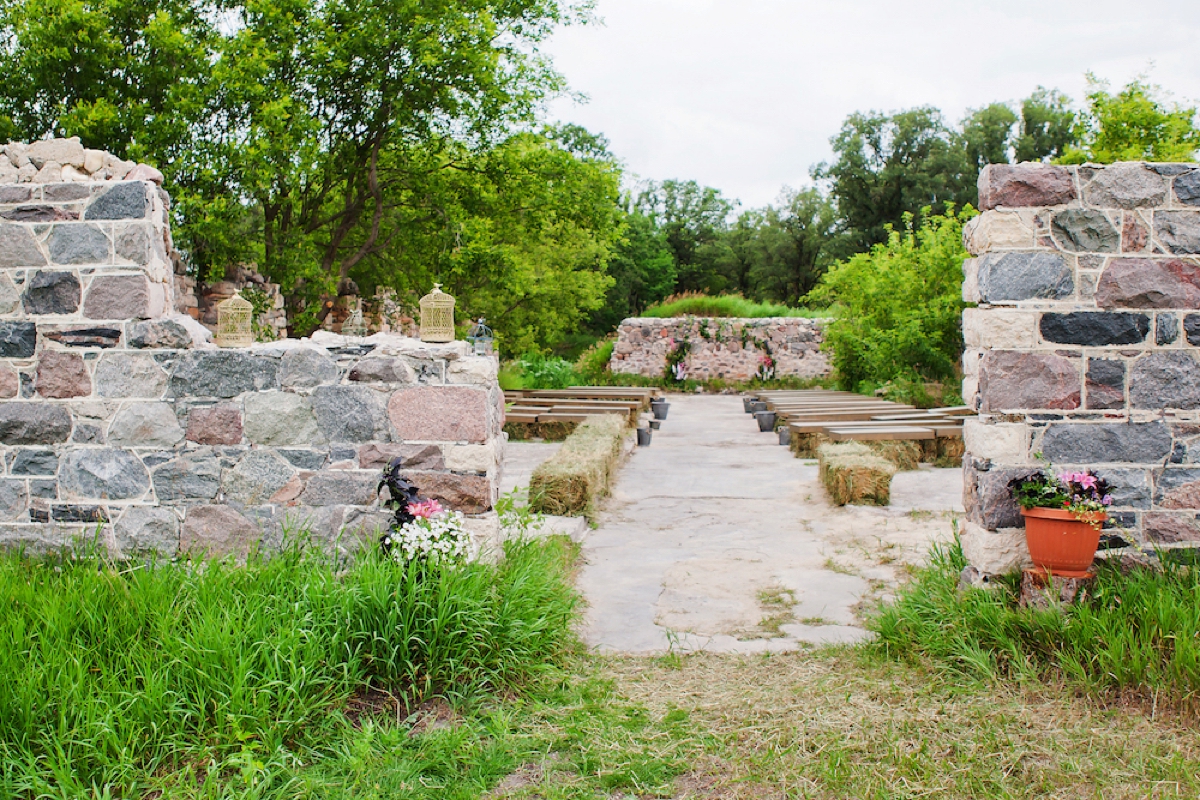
(1135, 124)
(293, 132)
(799, 239)
(1047, 126)
(692, 218)
(888, 166)
(899, 305)
(643, 272)
(987, 136)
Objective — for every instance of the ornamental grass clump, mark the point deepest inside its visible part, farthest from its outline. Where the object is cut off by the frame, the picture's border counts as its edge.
(1134, 635)
(114, 675)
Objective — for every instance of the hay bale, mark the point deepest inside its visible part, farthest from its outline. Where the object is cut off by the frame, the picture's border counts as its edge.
(570, 482)
(556, 431)
(906, 454)
(520, 431)
(853, 473)
(950, 451)
(804, 445)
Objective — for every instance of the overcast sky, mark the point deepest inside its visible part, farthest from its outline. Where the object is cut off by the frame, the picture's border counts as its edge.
(743, 95)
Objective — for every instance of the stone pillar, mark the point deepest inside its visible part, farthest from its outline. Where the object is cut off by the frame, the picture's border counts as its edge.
(1083, 346)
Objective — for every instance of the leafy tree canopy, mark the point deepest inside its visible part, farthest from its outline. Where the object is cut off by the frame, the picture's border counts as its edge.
(1135, 124)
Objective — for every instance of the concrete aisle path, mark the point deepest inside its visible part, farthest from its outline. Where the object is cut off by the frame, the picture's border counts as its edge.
(717, 538)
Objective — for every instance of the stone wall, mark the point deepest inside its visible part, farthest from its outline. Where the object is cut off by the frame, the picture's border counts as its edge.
(729, 349)
(117, 418)
(1084, 346)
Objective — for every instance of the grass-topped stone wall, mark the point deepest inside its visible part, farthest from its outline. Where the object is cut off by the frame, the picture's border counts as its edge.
(709, 348)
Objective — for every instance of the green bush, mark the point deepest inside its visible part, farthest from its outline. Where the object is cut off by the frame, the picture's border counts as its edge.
(1138, 632)
(899, 308)
(110, 675)
(545, 372)
(592, 366)
(726, 305)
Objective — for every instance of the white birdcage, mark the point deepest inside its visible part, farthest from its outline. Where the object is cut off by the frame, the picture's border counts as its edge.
(437, 316)
(235, 322)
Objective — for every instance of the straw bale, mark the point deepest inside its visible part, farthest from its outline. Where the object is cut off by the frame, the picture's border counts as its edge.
(906, 454)
(853, 473)
(519, 431)
(574, 478)
(950, 451)
(804, 445)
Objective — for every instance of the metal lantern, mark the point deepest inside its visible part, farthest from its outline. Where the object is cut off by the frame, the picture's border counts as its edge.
(235, 318)
(481, 338)
(437, 316)
(354, 325)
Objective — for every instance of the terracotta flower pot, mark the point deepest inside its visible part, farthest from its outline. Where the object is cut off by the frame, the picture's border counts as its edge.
(1061, 543)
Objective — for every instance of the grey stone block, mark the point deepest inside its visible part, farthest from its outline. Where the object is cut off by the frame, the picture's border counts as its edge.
(306, 368)
(122, 201)
(33, 462)
(144, 530)
(341, 487)
(1167, 331)
(1130, 488)
(256, 478)
(129, 375)
(1095, 328)
(352, 414)
(34, 423)
(222, 374)
(1085, 231)
(18, 248)
(1083, 444)
(280, 418)
(1179, 231)
(191, 476)
(51, 292)
(1012, 277)
(1169, 379)
(75, 243)
(1187, 188)
(104, 474)
(146, 425)
(18, 339)
(159, 333)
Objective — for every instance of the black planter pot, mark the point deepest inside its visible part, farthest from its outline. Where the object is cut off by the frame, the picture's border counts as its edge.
(785, 435)
(747, 402)
(643, 435)
(660, 409)
(757, 406)
(766, 421)
(655, 424)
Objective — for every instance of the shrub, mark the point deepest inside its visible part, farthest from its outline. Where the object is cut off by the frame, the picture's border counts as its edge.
(545, 372)
(110, 675)
(592, 366)
(727, 305)
(1137, 633)
(899, 309)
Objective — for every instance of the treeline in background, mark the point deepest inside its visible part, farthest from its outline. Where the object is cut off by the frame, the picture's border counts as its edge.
(344, 146)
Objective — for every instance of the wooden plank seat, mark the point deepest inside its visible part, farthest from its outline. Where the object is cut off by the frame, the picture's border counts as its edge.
(879, 434)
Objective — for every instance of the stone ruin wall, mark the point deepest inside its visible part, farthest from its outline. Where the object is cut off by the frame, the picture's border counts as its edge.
(1083, 346)
(728, 349)
(118, 415)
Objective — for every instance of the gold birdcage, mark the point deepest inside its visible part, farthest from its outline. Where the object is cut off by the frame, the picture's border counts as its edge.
(437, 316)
(235, 322)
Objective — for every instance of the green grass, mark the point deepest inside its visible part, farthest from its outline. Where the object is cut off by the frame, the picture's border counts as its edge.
(726, 305)
(112, 676)
(1136, 634)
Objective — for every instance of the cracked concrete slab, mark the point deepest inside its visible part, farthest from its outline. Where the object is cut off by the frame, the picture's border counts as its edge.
(713, 520)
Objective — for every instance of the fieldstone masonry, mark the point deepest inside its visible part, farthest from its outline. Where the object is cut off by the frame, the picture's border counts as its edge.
(729, 349)
(119, 419)
(1083, 346)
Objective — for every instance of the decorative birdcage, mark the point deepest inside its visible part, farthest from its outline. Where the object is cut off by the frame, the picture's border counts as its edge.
(481, 338)
(437, 316)
(354, 324)
(235, 322)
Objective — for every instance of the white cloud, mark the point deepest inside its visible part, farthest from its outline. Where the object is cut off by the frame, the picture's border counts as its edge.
(744, 94)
